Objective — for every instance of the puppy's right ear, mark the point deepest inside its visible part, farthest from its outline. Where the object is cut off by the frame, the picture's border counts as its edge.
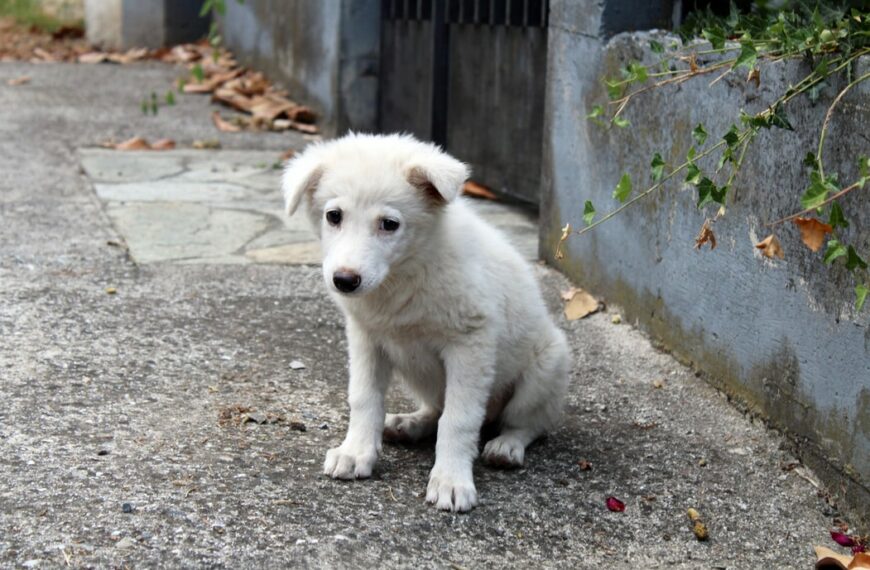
(301, 176)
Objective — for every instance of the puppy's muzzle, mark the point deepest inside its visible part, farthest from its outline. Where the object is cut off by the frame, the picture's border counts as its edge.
(346, 281)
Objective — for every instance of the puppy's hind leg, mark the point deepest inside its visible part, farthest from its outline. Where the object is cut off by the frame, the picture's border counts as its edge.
(535, 406)
(413, 427)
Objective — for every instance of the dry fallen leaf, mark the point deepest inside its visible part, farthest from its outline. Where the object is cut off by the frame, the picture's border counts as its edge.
(93, 57)
(754, 76)
(659, 384)
(704, 236)
(478, 191)
(135, 143)
(581, 304)
(700, 530)
(207, 144)
(163, 144)
(770, 247)
(288, 154)
(584, 465)
(18, 81)
(812, 232)
(224, 125)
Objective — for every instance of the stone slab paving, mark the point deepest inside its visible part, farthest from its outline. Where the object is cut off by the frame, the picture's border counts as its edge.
(193, 206)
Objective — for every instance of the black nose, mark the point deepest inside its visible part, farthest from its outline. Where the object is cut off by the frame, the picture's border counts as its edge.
(346, 281)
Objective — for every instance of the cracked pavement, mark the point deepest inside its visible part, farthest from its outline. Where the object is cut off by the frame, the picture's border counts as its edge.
(130, 429)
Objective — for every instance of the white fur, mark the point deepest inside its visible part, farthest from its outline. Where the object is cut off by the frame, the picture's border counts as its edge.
(445, 304)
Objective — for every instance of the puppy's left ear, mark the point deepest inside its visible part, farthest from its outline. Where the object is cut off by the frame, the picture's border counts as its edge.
(301, 176)
(438, 175)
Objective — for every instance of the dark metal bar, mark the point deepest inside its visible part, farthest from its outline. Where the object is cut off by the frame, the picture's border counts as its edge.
(440, 71)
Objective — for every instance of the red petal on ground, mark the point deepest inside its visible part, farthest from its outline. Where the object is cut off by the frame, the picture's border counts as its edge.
(843, 539)
(858, 549)
(615, 505)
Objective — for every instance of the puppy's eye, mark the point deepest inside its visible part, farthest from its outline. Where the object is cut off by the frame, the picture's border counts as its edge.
(389, 224)
(333, 217)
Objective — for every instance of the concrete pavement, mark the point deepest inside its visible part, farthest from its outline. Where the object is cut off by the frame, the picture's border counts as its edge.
(163, 425)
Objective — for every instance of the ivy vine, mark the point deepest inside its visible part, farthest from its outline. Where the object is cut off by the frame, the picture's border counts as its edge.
(831, 39)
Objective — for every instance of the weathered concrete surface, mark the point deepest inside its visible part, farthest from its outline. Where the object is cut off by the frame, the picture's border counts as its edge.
(114, 399)
(781, 336)
(120, 24)
(324, 53)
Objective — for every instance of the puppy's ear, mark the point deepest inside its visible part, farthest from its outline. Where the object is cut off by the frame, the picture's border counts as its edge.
(438, 175)
(301, 176)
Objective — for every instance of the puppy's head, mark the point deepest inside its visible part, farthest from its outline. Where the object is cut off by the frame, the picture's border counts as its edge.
(372, 200)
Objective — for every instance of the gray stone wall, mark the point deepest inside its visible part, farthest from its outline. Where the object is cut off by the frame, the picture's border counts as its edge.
(781, 337)
(323, 53)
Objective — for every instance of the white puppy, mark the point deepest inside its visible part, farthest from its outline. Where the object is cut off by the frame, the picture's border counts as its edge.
(435, 296)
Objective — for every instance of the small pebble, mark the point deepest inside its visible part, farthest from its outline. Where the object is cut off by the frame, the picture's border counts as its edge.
(127, 508)
(298, 426)
(296, 365)
(324, 426)
(616, 319)
(111, 290)
(103, 452)
(125, 543)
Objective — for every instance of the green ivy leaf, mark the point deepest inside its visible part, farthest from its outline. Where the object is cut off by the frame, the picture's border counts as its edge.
(818, 191)
(658, 167)
(656, 47)
(837, 219)
(620, 122)
(861, 291)
(170, 97)
(693, 174)
(597, 111)
(748, 55)
(691, 154)
(699, 134)
(709, 192)
(623, 189)
(588, 212)
(864, 170)
(727, 156)
(853, 260)
(715, 36)
(637, 72)
(206, 8)
(778, 119)
(614, 89)
(811, 161)
(732, 137)
(835, 250)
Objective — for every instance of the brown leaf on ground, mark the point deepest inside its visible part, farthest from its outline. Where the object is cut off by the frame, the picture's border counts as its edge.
(45, 55)
(284, 124)
(270, 107)
(812, 232)
(475, 190)
(233, 99)
(207, 144)
(288, 154)
(129, 56)
(770, 247)
(705, 236)
(18, 81)
(93, 57)
(224, 125)
(584, 465)
(580, 305)
(163, 144)
(139, 143)
(135, 143)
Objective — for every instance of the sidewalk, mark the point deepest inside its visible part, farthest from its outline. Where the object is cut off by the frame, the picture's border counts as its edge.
(174, 398)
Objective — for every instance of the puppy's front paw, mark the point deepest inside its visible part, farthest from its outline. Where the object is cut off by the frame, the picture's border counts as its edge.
(451, 491)
(409, 428)
(348, 462)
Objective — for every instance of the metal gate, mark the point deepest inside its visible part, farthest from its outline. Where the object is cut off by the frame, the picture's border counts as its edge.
(470, 76)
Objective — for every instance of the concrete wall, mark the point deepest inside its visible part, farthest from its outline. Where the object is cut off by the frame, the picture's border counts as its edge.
(781, 337)
(121, 24)
(323, 53)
